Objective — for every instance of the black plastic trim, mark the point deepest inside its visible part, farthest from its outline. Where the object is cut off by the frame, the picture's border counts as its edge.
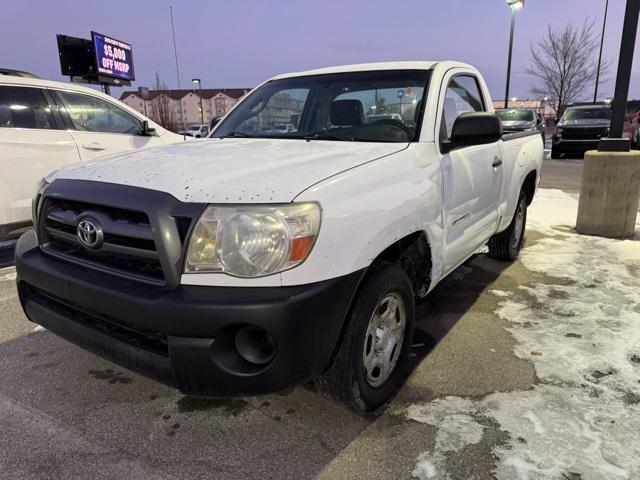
(160, 208)
(198, 322)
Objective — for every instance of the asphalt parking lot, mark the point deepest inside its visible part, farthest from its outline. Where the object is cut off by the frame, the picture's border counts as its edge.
(65, 413)
(69, 414)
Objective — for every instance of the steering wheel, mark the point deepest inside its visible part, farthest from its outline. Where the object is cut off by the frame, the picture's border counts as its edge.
(394, 123)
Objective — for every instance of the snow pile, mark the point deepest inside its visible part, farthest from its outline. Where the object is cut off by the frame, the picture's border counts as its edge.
(581, 330)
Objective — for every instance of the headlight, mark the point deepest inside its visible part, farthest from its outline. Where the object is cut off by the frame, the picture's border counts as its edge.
(559, 131)
(35, 199)
(252, 240)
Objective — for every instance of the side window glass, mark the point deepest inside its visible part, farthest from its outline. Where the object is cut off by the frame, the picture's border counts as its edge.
(92, 114)
(22, 107)
(462, 96)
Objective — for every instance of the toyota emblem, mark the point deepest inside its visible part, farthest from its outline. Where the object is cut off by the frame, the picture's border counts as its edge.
(90, 233)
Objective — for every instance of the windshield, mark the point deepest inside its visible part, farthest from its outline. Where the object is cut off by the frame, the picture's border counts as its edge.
(515, 115)
(586, 115)
(373, 106)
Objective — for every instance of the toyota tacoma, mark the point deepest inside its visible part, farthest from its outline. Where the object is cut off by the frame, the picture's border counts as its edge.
(260, 259)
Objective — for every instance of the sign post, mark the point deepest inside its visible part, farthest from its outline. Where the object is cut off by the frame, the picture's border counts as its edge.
(102, 60)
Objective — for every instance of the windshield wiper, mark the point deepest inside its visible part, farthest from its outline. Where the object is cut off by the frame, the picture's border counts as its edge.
(326, 136)
(237, 135)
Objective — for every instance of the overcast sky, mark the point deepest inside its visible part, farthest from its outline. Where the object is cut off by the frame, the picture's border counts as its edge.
(239, 43)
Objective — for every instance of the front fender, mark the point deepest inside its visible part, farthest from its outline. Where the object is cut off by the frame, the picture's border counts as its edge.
(368, 208)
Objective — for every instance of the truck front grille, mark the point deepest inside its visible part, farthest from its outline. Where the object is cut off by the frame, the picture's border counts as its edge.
(584, 133)
(127, 245)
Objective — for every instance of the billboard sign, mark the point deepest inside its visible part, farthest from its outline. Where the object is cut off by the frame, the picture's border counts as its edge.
(113, 57)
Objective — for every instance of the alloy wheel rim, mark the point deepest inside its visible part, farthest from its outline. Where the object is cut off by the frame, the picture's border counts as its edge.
(517, 234)
(384, 338)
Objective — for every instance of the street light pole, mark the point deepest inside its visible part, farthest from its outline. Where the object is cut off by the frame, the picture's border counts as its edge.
(197, 80)
(515, 5)
(604, 26)
(616, 142)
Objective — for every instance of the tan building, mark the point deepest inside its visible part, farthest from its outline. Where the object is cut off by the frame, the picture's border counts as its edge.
(175, 108)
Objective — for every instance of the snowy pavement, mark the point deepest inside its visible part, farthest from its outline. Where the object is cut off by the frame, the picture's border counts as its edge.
(580, 328)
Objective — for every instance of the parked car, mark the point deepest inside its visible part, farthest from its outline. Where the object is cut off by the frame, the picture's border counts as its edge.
(580, 129)
(282, 128)
(46, 125)
(377, 117)
(634, 131)
(196, 131)
(521, 120)
(248, 264)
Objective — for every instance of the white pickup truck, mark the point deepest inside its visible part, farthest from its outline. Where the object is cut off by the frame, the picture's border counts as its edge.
(258, 259)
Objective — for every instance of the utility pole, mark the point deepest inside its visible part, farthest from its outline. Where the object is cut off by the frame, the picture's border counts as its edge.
(514, 5)
(616, 142)
(604, 27)
(175, 53)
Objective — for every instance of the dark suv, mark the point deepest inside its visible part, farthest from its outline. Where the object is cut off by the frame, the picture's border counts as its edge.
(580, 129)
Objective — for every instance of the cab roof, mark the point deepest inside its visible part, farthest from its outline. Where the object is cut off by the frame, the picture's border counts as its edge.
(363, 67)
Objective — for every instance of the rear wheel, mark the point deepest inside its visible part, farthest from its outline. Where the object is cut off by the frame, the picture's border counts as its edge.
(506, 245)
(371, 361)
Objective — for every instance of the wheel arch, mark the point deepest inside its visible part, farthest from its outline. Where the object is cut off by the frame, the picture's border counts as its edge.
(529, 185)
(413, 253)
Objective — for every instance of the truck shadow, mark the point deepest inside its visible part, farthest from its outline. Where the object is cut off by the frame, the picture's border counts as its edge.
(290, 435)
(440, 311)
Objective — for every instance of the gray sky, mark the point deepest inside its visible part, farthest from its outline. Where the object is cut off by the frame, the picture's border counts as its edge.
(239, 43)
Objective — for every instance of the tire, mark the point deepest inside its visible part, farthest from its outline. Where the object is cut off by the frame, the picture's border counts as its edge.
(555, 155)
(346, 381)
(506, 245)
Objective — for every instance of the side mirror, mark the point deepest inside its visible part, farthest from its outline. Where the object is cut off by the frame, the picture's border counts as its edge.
(555, 121)
(474, 128)
(146, 130)
(214, 121)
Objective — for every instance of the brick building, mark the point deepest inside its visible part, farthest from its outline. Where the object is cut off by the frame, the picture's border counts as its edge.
(175, 108)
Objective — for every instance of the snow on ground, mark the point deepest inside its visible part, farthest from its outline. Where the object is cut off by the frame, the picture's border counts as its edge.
(581, 329)
(8, 274)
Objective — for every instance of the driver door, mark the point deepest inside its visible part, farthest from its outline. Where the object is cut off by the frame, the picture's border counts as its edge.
(100, 127)
(472, 176)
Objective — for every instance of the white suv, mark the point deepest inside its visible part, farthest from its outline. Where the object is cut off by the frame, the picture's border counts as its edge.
(196, 131)
(45, 125)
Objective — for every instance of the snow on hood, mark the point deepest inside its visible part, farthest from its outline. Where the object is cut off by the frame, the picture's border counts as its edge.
(231, 170)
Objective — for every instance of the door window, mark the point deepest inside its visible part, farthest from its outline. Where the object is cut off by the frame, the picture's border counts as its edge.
(462, 96)
(92, 114)
(22, 107)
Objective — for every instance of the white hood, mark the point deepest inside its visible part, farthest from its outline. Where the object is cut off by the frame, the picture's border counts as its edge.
(231, 170)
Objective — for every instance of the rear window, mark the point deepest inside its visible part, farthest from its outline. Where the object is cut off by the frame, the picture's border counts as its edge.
(24, 107)
(515, 115)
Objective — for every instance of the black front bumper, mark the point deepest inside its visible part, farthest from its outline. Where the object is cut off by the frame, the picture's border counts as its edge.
(574, 146)
(184, 337)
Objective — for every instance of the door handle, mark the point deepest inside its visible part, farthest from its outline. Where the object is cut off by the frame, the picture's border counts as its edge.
(497, 161)
(93, 146)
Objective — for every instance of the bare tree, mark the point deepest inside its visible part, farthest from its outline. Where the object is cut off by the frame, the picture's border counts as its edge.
(564, 62)
(161, 110)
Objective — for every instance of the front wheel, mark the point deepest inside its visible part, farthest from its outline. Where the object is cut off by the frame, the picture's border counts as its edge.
(506, 245)
(371, 361)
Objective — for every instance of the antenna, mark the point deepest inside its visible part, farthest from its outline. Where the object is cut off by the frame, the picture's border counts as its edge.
(175, 52)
